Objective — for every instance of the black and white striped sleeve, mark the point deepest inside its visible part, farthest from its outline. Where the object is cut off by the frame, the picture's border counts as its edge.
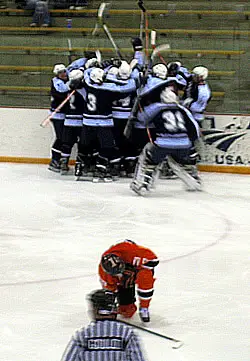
(73, 349)
(133, 349)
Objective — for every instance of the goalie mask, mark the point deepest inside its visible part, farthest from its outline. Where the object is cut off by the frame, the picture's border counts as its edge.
(103, 301)
(160, 71)
(112, 264)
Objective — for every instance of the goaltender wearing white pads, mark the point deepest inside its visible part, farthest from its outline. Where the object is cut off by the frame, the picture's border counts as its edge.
(173, 131)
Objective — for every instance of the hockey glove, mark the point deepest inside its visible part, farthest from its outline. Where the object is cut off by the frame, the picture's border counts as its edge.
(106, 63)
(137, 44)
(75, 84)
(116, 62)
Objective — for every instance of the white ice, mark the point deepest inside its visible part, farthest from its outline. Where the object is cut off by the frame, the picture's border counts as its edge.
(54, 229)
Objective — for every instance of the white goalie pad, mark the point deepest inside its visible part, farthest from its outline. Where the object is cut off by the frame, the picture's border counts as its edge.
(191, 183)
(145, 176)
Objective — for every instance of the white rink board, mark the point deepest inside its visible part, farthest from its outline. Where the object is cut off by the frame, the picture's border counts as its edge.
(22, 136)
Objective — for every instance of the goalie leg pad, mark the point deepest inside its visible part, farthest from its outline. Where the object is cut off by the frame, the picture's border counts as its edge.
(192, 182)
(146, 173)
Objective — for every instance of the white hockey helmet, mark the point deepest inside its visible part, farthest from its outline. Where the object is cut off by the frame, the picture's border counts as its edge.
(124, 70)
(160, 71)
(97, 75)
(91, 62)
(113, 70)
(59, 68)
(75, 74)
(168, 96)
(201, 71)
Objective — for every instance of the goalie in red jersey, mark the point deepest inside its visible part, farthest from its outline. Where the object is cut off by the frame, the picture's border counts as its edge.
(123, 266)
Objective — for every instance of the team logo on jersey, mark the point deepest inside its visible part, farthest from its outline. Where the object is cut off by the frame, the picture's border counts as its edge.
(227, 146)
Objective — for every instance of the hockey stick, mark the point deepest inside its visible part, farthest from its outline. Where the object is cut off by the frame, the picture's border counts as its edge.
(95, 29)
(105, 28)
(47, 120)
(141, 24)
(70, 51)
(98, 56)
(178, 343)
(157, 50)
(153, 45)
(145, 16)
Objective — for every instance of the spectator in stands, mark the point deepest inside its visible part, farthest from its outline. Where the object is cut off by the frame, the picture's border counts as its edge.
(78, 4)
(41, 15)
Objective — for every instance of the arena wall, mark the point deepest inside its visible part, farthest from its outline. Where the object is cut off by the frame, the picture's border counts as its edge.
(225, 146)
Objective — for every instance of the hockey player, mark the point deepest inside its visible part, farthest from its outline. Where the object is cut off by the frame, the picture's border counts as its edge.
(156, 82)
(121, 109)
(197, 94)
(98, 120)
(104, 338)
(72, 124)
(123, 266)
(175, 130)
(59, 92)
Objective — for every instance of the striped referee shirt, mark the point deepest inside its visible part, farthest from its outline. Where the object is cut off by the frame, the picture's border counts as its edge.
(104, 340)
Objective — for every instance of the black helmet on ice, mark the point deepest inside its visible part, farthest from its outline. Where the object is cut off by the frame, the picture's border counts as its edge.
(104, 301)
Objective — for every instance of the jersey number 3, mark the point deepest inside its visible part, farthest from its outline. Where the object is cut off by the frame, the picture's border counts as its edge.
(91, 102)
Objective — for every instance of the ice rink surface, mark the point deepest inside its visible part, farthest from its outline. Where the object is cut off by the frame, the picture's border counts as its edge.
(54, 229)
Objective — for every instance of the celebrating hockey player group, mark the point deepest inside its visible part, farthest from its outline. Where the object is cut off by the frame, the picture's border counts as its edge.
(127, 121)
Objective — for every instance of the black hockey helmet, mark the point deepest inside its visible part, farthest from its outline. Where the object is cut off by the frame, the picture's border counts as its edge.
(112, 264)
(173, 68)
(103, 301)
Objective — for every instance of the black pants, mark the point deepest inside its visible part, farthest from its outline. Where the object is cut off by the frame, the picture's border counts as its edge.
(126, 296)
(157, 154)
(56, 148)
(126, 147)
(98, 138)
(71, 135)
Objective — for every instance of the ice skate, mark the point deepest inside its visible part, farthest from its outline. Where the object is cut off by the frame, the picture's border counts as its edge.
(144, 314)
(64, 165)
(82, 172)
(140, 189)
(54, 166)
